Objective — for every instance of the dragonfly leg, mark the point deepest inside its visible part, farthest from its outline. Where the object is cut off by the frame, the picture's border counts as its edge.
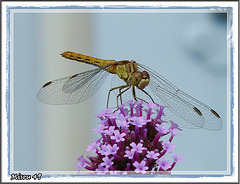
(148, 95)
(120, 94)
(135, 97)
(134, 93)
(118, 87)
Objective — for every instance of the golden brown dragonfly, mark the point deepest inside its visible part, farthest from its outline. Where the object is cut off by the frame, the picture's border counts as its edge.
(145, 84)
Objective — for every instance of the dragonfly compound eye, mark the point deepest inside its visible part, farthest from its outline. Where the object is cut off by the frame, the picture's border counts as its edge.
(137, 76)
(145, 75)
(144, 81)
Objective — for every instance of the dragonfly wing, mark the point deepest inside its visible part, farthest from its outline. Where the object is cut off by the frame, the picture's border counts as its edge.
(212, 120)
(177, 107)
(181, 104)
(73, 89)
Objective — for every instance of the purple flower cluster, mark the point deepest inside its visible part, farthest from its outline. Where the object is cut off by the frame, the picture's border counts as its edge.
(133, 138)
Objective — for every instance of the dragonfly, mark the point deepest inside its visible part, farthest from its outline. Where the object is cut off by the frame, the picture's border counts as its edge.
(143, 83)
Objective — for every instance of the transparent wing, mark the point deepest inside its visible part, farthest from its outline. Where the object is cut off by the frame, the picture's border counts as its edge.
(197, 114)
(73, 89)
(212, 120)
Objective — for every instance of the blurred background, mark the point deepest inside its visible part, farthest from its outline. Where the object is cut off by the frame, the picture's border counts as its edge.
(189, 49)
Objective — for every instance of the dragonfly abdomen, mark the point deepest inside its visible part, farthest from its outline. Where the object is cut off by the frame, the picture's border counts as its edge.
(90, 60)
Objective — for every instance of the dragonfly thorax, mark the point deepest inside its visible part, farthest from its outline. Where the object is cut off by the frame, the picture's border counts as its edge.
(140, 79)
(128, 71)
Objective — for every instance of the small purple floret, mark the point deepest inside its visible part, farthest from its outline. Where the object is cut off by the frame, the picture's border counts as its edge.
(163, 163)
(167, 146)
(138, 148)
(140, 167)
(152, 154)
(118, 136)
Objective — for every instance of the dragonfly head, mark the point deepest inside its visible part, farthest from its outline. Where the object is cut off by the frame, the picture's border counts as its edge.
(140, 79)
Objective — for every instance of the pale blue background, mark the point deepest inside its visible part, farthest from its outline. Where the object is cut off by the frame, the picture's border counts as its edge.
(189, 49)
